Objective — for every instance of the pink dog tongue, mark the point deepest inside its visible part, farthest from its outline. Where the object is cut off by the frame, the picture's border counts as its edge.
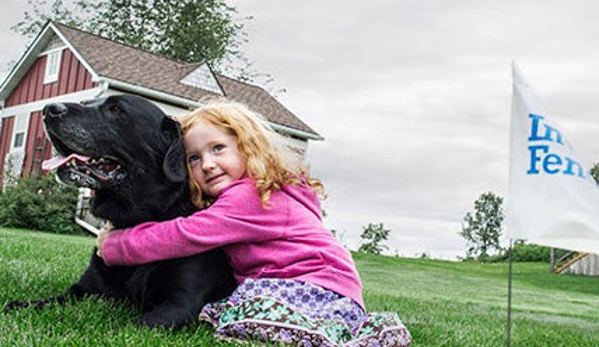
(59, 161)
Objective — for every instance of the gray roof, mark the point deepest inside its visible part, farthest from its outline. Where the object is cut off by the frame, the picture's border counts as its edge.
(133, 66)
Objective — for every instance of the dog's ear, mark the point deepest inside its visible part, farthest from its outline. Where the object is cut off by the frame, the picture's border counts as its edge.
(174, 166)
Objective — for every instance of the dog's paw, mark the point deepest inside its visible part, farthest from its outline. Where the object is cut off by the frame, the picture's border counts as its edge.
(158, 320)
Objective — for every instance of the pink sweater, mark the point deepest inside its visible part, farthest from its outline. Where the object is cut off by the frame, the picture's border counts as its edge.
(286, 241)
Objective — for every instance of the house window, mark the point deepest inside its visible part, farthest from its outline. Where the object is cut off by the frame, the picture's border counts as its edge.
(19, 140)
(52, 66)
(19, 133)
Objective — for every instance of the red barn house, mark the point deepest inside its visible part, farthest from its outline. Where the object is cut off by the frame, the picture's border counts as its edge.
(64, 64)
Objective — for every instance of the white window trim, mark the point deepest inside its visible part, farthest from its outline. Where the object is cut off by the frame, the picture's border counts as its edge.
(13, 167)
(20, 126)
(22, 144)
(51, 75)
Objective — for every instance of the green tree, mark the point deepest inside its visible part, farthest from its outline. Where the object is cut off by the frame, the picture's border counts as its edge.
(482, 229)
(373, 235)
(595, 173)
(41, 11)
(184, 30)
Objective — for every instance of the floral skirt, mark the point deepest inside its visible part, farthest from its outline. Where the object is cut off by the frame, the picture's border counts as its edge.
(301, 314)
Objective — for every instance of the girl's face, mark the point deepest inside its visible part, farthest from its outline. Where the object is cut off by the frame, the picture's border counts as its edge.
(213, 157)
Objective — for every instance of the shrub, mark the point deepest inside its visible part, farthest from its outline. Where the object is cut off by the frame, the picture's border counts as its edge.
(39, 203)
(523, 252)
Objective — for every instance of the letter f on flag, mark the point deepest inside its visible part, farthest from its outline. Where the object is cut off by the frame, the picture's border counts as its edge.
(553, 200)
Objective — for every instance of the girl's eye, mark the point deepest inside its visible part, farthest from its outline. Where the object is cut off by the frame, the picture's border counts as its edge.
(193, 158)
(218, 148)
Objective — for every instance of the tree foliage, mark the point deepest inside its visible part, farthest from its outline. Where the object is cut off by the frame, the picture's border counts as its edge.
(373, 235)
(482, 229)
(183, 30)
(595, 173)
(33, 21)
(39, 203)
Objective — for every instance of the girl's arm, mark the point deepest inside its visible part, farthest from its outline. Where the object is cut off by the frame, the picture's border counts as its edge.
(236, 216)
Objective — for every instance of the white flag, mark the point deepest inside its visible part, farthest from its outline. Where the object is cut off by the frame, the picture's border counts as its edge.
(553, 200)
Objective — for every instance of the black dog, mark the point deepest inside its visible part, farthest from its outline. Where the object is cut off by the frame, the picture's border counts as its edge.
(132, 155)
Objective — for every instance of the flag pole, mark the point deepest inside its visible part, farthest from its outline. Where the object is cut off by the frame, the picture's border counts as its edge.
(509, 295)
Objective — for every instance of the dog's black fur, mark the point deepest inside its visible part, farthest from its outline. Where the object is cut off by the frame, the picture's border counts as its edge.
(142, 177)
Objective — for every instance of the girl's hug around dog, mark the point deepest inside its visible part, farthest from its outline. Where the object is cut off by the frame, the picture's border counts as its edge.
(296, 283)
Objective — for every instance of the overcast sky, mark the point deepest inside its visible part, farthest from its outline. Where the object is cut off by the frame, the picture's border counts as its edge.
(413, 99)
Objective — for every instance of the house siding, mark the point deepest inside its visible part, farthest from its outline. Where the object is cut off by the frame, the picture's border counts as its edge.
(5, 138)
(38, 148)
(588, 266)
(72, 77)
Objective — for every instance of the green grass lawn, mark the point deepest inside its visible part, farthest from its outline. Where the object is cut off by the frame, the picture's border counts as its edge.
(443, 303)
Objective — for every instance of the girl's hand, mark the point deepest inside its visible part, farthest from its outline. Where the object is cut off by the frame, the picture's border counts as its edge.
(107, 227)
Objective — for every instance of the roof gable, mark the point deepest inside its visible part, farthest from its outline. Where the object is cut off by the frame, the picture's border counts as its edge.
(49, 38)
(54, 42)
(203, 78)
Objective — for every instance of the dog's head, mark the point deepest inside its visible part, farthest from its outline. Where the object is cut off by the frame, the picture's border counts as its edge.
(123, 147)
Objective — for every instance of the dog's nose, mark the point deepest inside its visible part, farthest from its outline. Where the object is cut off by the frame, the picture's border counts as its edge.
(55, 110)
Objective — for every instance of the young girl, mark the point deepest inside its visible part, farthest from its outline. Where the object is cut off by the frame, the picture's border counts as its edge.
(297, 284)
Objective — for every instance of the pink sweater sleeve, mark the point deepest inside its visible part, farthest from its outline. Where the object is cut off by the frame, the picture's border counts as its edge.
(236, 216)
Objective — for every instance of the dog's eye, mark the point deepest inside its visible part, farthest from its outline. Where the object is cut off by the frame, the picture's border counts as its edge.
(115, 110)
